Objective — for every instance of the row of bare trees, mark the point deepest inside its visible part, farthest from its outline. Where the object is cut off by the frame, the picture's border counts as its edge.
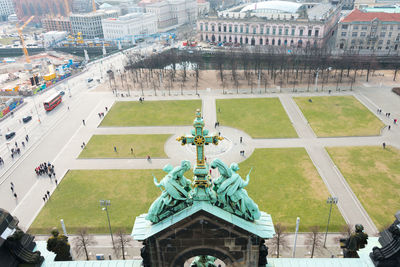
(175, 69)
(314, 238)
(84, 240)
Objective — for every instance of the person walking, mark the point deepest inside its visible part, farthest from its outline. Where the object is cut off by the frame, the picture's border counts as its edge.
(389, 127)
(384, 145)
(23, 143)
(241, 139)
(56, 180)
(27, 138)
(44, 199)
(15, 195)
(48, 193)
(12, 184)
(12, 189)
(131, 150)
(115, 149)
(83, 121)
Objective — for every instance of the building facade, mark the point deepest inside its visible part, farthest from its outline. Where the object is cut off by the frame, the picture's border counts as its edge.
(6, 9)
(203, 7)
(273, 23)
(60, 24)
(127, 26)
(172, 13)
(89, 24)
(39, 8)
(368, 32)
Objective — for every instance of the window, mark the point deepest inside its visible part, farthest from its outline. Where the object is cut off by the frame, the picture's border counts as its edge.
(380, 42)
(247, 30)
(344, 34)
(280, 31)
(355, 27)
(287, 31)
(261, 30)
(363, 34)
(219, 28)
(207, 27)
(387, 47)
(309, 32)
(274, 31)
(213, 28)
(293, 30)
(316, 33)
(254, 30)
(241, 28)
(201, 27)
(390, 34)
(391, 27)
(354, 34)
(224, 28)
(353, 42)
(236, 28)
(364, 28)
(344, 27)
(388, 42)
(230, 28)
(382, 34)
(383, 28)
(267, 30)
(301, 32)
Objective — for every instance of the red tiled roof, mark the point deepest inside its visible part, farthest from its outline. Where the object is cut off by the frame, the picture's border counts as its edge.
(357, 15)
(201, 1)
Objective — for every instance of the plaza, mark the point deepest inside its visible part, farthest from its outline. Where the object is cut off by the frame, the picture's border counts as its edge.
(295, 169)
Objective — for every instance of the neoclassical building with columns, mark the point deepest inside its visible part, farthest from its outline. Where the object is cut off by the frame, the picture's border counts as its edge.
(273, 23)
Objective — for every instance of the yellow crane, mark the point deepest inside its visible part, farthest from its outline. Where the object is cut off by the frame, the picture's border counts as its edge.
(67, 7)
(22, 39)
(94, 6)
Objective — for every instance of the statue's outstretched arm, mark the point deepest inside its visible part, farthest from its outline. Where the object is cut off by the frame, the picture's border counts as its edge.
(247, 178)
(156, 182)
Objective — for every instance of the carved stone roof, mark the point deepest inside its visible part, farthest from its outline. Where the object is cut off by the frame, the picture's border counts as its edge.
(263, 227)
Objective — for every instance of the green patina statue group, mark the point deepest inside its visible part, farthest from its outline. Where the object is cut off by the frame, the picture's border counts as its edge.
(226, 192)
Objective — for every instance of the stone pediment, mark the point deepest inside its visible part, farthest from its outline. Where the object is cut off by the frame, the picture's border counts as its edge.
(262, 227)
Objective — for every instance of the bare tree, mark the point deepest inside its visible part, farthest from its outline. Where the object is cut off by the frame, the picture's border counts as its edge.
(82, 241)
(314, 239)
(279, 242)
(122, 241)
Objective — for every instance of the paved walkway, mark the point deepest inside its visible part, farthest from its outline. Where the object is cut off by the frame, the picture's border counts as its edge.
(27, 208)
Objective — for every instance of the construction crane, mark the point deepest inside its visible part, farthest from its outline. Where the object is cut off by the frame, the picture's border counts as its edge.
(22, 39)
(94, 6)
(67, 7)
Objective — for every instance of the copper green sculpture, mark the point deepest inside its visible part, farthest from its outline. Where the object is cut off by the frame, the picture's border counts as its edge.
(203, 261)
(357, 240)
(231, 195)
(199, 138)
(228, 192)
(175, 189)
(59, 245)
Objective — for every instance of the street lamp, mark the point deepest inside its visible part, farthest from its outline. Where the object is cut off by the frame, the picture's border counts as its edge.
(316, 81)
(105, 204)
(331, 200)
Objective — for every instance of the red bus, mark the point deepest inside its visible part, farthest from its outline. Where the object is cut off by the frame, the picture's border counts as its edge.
(52, 102)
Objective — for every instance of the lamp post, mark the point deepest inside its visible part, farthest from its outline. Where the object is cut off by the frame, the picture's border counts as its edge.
(295, 236)
(331, 200)
(105, 204)
(316, 81)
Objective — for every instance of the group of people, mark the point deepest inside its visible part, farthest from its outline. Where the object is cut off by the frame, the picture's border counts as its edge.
(45, 169)
(46, 196)
(16, 150)
(13, 190)
(101, 114)
(387, 114)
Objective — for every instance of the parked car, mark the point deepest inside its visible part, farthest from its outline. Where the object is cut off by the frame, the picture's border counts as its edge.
(62, 93)
(10, 135)
(89, 80)
(27, 119)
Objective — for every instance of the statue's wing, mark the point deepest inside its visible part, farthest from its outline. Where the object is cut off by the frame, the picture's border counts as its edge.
(222, 167)
(175, 190)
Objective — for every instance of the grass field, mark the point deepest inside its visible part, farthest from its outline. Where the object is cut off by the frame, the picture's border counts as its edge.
(152, 113)
(374, 176)
(259, 117)
(102, 146)
(77, 200)
(285, 184)
(339, 116)
(7, 40)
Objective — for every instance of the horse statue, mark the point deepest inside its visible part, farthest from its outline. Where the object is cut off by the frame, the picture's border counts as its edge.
(231, 195)
(175, 189)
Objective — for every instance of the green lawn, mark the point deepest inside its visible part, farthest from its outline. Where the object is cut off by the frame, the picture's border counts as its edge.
(152, 113)
(259, 117)
(102, 146)
(339, 116)
(7, 40)
(374, 176)
(285, 184)
(76, 200)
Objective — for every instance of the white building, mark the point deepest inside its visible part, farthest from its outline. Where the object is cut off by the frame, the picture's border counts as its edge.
(172, 13)
(6, 9)
(127, 26)
(89, 24)
(52, 37)
(203, 7)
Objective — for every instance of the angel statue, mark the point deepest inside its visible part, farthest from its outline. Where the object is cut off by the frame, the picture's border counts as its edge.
(231, 195)
(175, 189)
